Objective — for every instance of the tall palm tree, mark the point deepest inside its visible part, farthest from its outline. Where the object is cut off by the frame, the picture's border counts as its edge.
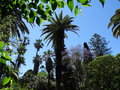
(37, 59)
(115, 21)
(56, 33)
(48, 55)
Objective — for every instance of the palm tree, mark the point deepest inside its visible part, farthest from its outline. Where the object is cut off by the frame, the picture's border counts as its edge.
(49, 64)
(56, 33)
(13, 25)
(115, 21)
(37, 59)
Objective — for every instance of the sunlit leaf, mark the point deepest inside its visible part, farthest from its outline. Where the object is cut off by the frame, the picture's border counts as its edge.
(53, 4)
(5, 80)
(2, 61)
(1, 45)
(102, 2)
(60, 4)
(83, 1)
(5, 54)
(87, 5)
(32, 16)
(70, 4)
(38, 21)
(76, 10)
(45, 1)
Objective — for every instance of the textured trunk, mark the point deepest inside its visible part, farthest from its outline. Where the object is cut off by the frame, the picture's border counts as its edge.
(36, 67)
(58, 52)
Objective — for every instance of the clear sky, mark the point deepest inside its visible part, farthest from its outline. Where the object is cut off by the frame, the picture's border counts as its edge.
(94, 19)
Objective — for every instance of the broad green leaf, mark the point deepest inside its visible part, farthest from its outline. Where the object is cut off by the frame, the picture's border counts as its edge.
(83, 1)
(5, 80)
(5, 54)
(87, 5)
(45, 1)
(48, 10)
(60, 4)
(2, 61)
(41, 6)
(70, 4)
(53, 4)
(76, 10)
(1, 45)
(38, 20)
(32, 16)
(102, 2)
(26, 12)
(40, 11)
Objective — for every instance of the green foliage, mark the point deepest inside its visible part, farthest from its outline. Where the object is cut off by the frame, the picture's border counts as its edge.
(70, 4)
(99, 46)
(29, 9)
(6, 75)
(104, 73)
(76, 10)
(102, 2)
(5, 80)
(115, 21)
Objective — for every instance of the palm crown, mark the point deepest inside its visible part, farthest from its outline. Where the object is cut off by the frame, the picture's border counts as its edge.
(57, 26)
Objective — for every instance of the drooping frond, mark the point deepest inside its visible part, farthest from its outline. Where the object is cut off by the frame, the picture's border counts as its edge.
(58, 25)
(115, 21)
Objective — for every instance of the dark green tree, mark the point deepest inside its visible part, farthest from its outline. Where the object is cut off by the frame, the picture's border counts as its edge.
(37, 59)
(104, 73)
(21, 50)
(48, 56)
(99, 46)
(87, 58)
(56, 33)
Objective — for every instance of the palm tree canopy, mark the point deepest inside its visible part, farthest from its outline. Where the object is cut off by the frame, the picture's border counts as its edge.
(14, 25)
(57, 26)
(38, 44)
(115, 21)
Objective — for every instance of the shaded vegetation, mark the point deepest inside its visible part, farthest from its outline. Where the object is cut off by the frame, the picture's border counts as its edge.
(90, 67)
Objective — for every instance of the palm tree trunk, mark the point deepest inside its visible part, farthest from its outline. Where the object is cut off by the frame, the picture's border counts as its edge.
(58, 51)
(36, 67)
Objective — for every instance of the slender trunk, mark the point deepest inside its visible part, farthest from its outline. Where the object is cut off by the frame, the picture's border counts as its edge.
(36, 67)
(58, 52)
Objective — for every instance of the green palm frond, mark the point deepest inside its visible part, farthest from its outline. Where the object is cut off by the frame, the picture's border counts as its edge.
(58, 25)
(115, 21)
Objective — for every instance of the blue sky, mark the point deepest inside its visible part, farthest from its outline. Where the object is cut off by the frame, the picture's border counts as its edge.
(94, 19)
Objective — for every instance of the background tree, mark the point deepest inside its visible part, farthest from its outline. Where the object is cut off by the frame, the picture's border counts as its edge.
(104, 73)
(21, 50)
(87, 58)
(37, 59)
(56, 33)
(72, 71)
(99, 46)
(49, 64)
